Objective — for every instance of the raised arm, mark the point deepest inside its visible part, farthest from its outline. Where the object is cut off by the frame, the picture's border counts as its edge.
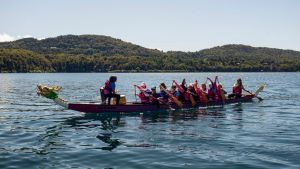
(139, 87)
(178, 86)
(217, 80)
(209, 80)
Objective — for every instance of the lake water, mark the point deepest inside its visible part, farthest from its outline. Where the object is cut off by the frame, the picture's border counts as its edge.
(36, 133)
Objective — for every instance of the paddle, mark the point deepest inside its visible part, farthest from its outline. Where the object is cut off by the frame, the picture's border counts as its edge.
(260, 88)
(259, 98)
(201, 94)
(160, 101)
(135, 93)
(178, 103)
(193, 101)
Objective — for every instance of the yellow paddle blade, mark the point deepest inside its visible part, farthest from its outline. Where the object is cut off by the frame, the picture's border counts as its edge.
(259, 89)
(223, 95)
(179, 104)
(205, 99)
(192, 100)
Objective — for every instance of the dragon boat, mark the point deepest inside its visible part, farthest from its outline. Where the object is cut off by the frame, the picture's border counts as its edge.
(127, 107)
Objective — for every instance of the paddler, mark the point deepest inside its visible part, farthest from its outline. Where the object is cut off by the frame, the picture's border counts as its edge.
(181, 89)
(220, 93)
(183, 85)
(184, 93)
(144, 92)
(163, 96)
(212, 88)
(237, 89)
(108, 91)
(174, 91)
(166, 95)
(191, 91)
(154, 96)
(204, 89)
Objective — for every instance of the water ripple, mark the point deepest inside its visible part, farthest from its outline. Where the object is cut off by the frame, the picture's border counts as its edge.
(36, 132)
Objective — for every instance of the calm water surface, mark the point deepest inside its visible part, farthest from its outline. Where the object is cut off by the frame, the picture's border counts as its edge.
(36, 133)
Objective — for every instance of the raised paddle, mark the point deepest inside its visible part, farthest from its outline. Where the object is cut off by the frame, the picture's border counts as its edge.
(259, 89)
(178, 103)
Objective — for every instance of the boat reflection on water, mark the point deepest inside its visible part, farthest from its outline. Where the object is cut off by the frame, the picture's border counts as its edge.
(107, 121)
(178, 115)
(110, 124)
(111, 143)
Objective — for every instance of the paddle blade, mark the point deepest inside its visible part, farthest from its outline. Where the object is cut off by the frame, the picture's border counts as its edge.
(192, 100)
(259, 89)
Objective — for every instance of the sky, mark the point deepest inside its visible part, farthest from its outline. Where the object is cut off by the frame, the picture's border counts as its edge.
(181, 25)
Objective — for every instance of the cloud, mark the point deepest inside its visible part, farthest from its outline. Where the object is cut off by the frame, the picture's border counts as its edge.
(6, 38)
(25, 36)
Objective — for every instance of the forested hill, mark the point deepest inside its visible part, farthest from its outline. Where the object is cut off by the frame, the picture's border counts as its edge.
(94, 53)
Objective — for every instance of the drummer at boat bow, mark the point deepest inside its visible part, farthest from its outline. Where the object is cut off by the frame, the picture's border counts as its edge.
(108, 91)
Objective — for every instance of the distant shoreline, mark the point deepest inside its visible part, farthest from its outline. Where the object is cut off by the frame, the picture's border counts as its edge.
(96, 53)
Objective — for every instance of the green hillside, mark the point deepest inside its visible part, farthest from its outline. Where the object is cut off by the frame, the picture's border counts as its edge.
(94, 53)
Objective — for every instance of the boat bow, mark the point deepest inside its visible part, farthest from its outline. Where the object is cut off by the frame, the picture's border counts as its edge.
(51, 92)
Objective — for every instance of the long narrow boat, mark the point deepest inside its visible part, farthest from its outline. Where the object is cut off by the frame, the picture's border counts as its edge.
(94, 107)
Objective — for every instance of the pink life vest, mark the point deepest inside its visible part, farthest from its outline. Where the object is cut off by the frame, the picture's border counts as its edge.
(106, 88)
(237, 90)
(218, 95)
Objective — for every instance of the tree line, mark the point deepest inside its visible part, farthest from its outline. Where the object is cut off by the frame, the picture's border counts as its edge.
(93, 53)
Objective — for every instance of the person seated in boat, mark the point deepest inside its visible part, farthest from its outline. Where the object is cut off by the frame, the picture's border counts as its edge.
(108, 91)
(210, 92)
(145, 93)
(191, 92)
(163, 96)
(212, 88)
(204, 89)
(181, 89)
(183, 85)
(154, 96)
(237, 89)
(219, 92)
(174, 91)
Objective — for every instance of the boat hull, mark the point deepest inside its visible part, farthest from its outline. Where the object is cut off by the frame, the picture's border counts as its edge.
(138, 107)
